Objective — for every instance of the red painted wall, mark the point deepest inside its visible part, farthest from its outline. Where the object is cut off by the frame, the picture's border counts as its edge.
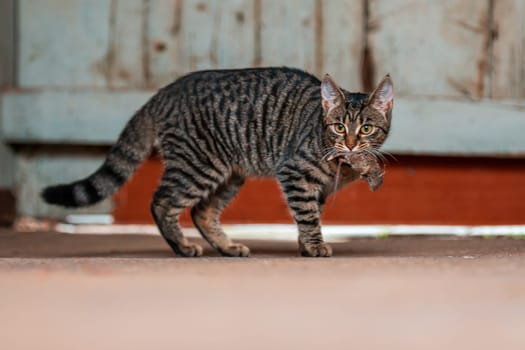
(417, 190)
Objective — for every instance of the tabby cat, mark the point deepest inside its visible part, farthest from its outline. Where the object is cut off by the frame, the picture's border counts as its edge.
(215, 128)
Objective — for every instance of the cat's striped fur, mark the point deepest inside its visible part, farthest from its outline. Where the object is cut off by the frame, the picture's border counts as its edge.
(215, 128)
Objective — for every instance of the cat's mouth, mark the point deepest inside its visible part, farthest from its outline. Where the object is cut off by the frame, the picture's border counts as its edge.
(339, 154)
(336, 155)
(343, 155)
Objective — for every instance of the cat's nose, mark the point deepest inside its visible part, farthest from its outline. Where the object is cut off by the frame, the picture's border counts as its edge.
(350, 142)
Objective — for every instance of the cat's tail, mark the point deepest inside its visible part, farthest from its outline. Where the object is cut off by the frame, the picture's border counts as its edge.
(133, 146)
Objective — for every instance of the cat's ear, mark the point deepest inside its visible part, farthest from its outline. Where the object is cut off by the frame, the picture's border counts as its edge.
(331, 95)
(382, 99)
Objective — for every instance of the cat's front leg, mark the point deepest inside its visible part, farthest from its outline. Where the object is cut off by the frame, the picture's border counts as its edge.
(305, 201)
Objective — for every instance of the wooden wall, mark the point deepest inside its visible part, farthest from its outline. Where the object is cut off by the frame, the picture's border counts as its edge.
(455, 48)
(80, 67)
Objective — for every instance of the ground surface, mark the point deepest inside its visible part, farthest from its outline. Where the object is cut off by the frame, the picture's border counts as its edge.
(128, 292)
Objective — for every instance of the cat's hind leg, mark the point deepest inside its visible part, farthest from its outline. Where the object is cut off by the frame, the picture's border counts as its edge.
(176, 193)
(206, 216)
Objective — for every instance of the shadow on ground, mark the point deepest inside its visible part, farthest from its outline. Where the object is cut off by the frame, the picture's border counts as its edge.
(52, 245)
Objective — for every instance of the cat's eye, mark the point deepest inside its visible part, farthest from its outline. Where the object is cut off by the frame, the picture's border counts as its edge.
(366, 129)
(339, 128)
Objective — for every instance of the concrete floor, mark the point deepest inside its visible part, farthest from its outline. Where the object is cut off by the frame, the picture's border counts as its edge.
(61, 291)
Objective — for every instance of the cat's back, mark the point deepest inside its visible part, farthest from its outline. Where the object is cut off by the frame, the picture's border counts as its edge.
(244, 96)
(229, 81)
(252, 115)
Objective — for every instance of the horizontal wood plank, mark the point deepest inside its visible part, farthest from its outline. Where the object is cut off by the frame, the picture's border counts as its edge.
(420, 126)
(94, 118)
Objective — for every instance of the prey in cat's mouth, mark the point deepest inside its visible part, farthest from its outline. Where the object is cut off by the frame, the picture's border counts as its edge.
(356, 125)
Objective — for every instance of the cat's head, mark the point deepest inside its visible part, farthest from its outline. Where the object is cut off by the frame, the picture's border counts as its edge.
(357, 122)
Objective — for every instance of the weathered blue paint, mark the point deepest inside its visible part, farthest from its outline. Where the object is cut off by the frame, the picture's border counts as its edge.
(433, 126)
(288, 33)
(63, 43)
(74, 117)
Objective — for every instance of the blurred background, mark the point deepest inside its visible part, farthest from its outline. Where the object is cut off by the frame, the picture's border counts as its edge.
(73, 71)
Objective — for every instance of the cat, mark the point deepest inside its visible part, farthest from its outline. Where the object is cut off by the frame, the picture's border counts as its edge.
(215, 128)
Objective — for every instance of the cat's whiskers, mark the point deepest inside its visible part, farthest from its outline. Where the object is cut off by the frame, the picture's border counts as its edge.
(330, 153)
(390, 155)
(365, 148)
(342, 148)
(368, 148)
(376, 146)
(378, 155)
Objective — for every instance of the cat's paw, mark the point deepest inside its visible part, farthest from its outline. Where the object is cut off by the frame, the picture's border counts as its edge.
(316, 250)
(235, 250)
(189, 250)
